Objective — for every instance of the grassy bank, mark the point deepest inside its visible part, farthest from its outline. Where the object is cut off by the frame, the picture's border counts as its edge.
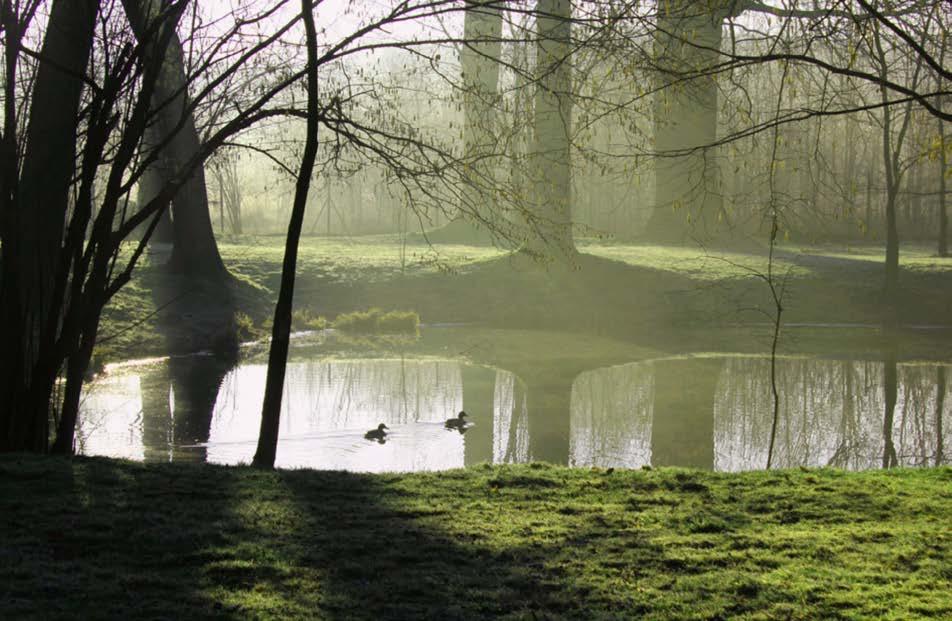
(93, 538)
(618, 290)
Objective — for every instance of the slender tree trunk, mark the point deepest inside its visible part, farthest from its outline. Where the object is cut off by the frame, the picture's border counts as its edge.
(892, 151)
(34, 223)
(891, 280)
(281, 332)
(551, 228)
(943, 214)
(76, 367)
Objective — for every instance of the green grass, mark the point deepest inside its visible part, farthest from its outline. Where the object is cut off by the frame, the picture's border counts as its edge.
(94, 538)
(334, 259)
(618, 290)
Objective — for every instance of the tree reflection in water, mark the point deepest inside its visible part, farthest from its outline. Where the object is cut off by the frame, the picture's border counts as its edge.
(707, 412)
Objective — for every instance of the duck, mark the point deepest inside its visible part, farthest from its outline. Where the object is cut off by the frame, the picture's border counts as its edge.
(456, 423)
(377, 434)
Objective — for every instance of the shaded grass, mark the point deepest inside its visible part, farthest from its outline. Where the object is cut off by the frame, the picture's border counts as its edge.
(617, 290)
(100, 538)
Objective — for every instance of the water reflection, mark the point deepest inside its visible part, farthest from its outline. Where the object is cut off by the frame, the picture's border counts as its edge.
(329, 405)
(110, 420)
(510, 421)
(712, 412)
(612, 412)
(832, 413)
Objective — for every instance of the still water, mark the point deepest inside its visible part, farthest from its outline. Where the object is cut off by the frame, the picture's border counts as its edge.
(711, 412)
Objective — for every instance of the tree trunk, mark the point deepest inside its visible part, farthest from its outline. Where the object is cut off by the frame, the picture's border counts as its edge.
(943, 214)
(153, 178)
(33, 228)
(551, 224)
(75, 373)
(281, 332)
(892, 151)
(194, 252)
(479, 58)
(688, 197)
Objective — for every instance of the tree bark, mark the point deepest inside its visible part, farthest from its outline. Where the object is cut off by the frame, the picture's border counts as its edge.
(34, 225)
(687, 177)
(281, 331)
(153, 178)
(943, 213)
(479, 58)
(195, 251)
(550, 230)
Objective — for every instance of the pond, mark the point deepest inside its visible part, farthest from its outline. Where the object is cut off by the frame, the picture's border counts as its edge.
(712, 411)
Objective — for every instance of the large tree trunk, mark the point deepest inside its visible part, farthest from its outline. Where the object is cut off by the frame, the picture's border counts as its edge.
(479, 58)
(153, 179)
(195, 252)
(688, 198)
(33, 228)
(551, 226)
(281, 332)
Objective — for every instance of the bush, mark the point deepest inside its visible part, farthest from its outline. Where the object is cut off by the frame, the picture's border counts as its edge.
(302, 319)
(375, 321)
(245, 329)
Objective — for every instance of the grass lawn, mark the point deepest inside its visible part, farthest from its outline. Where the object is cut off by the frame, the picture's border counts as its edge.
(95, 538)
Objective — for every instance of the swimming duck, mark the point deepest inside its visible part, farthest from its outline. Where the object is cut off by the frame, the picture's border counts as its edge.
(456, 423)
(377, 434)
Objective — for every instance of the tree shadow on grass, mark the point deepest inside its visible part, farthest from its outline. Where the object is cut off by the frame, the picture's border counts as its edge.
(94, 538)
(378, 549)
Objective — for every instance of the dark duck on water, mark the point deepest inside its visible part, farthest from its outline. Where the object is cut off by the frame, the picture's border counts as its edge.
(458, 423)
(377, 434)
